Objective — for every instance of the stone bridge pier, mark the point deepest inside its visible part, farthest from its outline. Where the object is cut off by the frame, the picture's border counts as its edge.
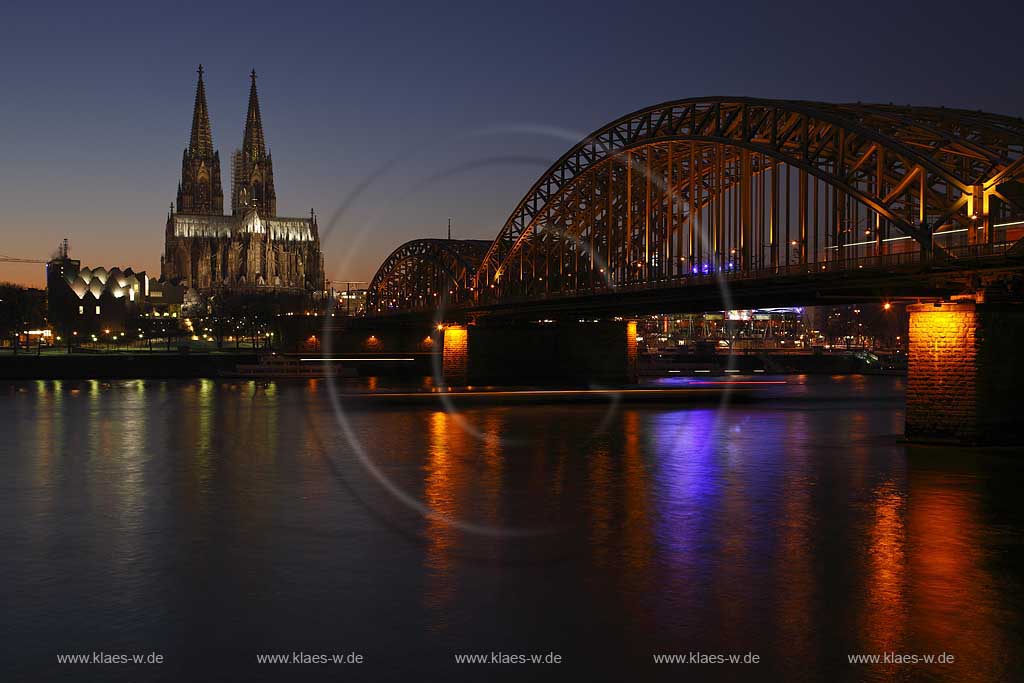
(602, 353)
(966, 372)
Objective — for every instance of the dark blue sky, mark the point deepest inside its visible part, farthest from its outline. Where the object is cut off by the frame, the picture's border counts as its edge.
(471, 101)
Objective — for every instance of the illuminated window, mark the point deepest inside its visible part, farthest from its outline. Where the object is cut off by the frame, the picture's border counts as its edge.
(81, 310)
(97, 310)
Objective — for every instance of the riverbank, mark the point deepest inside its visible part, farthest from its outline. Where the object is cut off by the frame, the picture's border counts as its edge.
(54, 364)
(114, 365)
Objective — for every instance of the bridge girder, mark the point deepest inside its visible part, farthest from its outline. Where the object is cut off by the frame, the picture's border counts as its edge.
(426, 272)
(741, 185)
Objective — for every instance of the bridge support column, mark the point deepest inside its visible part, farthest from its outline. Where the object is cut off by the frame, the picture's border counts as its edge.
(600, 354)
(455, 355)
(965, 372)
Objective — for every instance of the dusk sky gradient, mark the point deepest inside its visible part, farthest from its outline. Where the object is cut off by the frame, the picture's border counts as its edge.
(390, 118)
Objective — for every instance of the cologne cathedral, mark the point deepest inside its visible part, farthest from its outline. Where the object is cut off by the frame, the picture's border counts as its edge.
(252, 249)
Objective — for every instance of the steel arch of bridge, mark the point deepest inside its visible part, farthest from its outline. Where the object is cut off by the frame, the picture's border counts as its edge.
(425, 272)
(745, 186)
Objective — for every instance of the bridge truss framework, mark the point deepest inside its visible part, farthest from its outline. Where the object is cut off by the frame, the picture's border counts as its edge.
(733, 187)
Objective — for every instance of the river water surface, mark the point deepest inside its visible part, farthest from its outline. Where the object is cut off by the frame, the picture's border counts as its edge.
(214, 522)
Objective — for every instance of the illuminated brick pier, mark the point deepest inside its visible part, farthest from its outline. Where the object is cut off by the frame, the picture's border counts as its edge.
(964, 371)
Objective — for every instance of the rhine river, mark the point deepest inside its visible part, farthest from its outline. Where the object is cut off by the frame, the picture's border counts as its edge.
(215, 521)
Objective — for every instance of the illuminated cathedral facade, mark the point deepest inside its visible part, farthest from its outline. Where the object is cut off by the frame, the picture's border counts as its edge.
(251, 249)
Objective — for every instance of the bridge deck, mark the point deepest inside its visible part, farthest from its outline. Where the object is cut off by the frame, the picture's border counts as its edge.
(874, 278)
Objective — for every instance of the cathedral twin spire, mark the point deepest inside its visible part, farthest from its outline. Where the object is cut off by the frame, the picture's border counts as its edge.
(253, 143)
(199, 191)
(201, 142)
(252, 183)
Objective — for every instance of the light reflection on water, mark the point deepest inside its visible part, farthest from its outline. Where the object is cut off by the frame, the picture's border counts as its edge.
(227, 518)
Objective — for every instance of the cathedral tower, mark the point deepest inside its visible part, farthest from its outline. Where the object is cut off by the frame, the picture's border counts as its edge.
(252, 183)
(200, 191)
(253, 250)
